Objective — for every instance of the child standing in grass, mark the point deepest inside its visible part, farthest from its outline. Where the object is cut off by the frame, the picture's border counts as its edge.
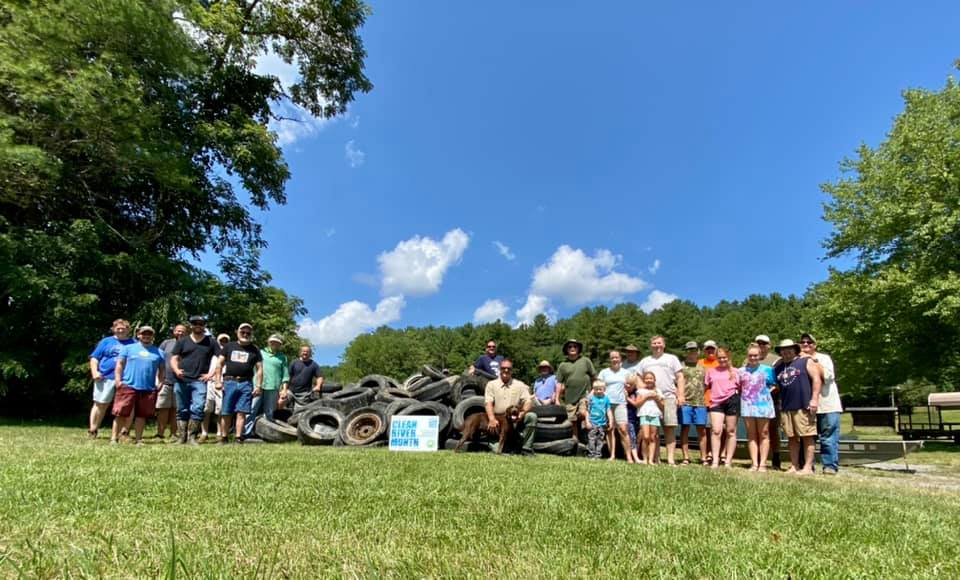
(649, 414)
(599, 419)
(633, 403)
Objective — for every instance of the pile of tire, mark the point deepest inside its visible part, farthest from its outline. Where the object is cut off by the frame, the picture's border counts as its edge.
(359, 414)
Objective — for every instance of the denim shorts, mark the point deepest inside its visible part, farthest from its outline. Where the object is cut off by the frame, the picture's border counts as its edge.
(693, 415)
(237, 397)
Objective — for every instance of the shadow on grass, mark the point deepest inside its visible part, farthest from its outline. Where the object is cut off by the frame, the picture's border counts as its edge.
(71, 421)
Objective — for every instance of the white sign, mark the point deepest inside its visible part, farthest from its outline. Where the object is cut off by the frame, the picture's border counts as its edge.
(414, 433)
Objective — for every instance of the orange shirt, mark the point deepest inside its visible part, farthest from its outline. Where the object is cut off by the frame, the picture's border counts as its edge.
(708, 364)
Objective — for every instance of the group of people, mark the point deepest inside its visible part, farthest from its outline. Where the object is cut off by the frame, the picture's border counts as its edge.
(634, 399)
(192, 377)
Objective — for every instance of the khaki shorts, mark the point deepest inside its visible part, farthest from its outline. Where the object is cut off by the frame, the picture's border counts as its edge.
(619, 413)
(165, 398)
(574, 410)
(214, 401)
(800, 423)
(670, 413)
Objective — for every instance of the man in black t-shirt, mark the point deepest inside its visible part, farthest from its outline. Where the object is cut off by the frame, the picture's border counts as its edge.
(305, 380)
(240, 375)
(191, 366)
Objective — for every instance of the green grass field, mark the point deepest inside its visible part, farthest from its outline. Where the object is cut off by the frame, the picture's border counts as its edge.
(69, 507)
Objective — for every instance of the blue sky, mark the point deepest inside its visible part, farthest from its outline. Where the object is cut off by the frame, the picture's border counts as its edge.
(517, 157)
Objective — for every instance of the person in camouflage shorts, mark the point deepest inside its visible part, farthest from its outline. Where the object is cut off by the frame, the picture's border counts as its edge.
(694, 411)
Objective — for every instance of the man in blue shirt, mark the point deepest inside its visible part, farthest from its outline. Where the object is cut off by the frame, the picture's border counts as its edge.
(488, 364)
(103, 361)
(140, 371)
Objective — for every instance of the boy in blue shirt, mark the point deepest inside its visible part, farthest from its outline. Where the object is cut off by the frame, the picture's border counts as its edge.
(599, 419)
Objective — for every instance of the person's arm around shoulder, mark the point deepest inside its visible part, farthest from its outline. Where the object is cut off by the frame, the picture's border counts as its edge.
(817, 384)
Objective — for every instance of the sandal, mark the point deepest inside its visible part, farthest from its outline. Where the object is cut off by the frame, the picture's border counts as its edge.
(685, 462)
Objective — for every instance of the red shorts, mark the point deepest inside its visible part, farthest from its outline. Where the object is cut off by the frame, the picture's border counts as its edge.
(142, 404)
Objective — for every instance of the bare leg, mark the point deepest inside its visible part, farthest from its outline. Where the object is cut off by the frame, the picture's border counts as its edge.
(753, 443)
(224, 427)
(139, 425)
(611, 441)
(624, 441)
(685, 442)
(763, 433)
(807, 455)
(716, 430)
(670, 438)
(97, 412)
(205, 425)
(730, 428)
(702, 441)
(794, 455)
(242, 417)
(162, 415)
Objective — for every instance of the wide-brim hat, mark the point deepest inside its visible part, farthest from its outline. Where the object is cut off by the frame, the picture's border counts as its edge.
(573, 341)
(786, 343)
(631, 348)
(545, 363)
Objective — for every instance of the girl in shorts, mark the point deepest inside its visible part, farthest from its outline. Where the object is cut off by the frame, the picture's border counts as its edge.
(724, 382)
(633, 422)
(649, 415)
(756, 406)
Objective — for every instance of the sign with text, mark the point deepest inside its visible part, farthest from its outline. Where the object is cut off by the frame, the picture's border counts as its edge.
(414, 433)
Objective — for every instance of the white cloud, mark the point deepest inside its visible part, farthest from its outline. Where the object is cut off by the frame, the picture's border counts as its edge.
(535, 305)
(490, 311)
(353, 155)
(355, 122)
(350, 319)
(654, 267)
(504, 250)
(578, 279)
(295, 122)
(656, 300)
(416, 267)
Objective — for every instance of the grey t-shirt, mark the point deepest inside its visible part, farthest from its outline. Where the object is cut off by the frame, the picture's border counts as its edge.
(166, 347)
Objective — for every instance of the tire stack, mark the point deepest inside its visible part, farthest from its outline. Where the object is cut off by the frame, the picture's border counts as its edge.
(359, 415)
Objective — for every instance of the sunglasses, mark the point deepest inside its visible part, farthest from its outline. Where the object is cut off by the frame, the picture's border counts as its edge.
(807, 342)
(506, 370)
(762, 342)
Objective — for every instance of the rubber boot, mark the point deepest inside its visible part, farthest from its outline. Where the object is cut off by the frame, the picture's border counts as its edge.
(181, 432)
(192, 427)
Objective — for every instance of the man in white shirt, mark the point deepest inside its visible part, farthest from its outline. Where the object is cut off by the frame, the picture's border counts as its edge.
(830, 409)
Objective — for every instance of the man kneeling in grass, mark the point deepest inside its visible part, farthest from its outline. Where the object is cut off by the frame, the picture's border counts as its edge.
(140, 370)
(506, 392)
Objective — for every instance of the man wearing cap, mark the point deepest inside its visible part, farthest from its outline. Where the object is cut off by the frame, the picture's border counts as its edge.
(166, 401)
(505, 392)
(693, 413)
(240, 375)
(276, 376)
(103, 362)
(306, 380)
(488, 364)
(798, 379)
(191, 366)
(545, 385)
(214, 400)
(830, 408)
(140, 369)
(670, 382)
(574, 378)
(632, 354)
(770, 359)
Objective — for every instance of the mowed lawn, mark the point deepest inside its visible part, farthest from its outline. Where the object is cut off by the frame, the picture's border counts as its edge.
(73, 507)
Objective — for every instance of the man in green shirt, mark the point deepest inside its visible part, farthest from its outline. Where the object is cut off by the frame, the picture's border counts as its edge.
(574, 378)
(276, 375)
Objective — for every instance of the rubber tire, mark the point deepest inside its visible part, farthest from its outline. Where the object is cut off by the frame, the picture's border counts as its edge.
(300, 410)
(362, 427)
(430, 408)
(468, 384)
(329, 388)
(331, 417)
(396, 406)
(551, 413)
(420, 383)
(432, 372)
(347, 400)
(274, 431)
(547, 432)
(484, 374)
(410, 380)
(375, 382)
(392, 394)
(567, 446)
(433, 392)
(380, 407)
(465, 408)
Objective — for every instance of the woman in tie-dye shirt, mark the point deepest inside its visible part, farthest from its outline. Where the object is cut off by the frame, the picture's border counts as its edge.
(756, 406)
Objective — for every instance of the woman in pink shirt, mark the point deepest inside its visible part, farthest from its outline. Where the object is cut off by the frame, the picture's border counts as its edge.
(724, 382)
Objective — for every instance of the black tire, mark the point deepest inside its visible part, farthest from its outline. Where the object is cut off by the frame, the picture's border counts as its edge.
(380, 406)
(301, 409)
(362, 427)
(274, 431)
(567, 446)
(464, 409)
(392, 394)
(468, 386)
(547, 432)
(432, 372)
(349, 399)
(329, 388)
(410, 380)
(281, 416)
(551, 413)
(396, 406)
(319, 426)
(484, 374)
(430, 409)
(420, 383)
(375, 382)
(433, 392)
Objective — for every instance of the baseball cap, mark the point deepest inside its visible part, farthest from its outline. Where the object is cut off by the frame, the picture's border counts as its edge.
(198, 318)
(762, 338)
(146, 328)
(692, 345)
(710, 344)
(245, 325)
(275, 338)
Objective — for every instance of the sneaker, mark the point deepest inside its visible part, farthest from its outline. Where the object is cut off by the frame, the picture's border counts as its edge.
(91, 433)
(114, 441)
(238, 441)
(829, 471)
(139, 443)
(202, 438)
(221, 440)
